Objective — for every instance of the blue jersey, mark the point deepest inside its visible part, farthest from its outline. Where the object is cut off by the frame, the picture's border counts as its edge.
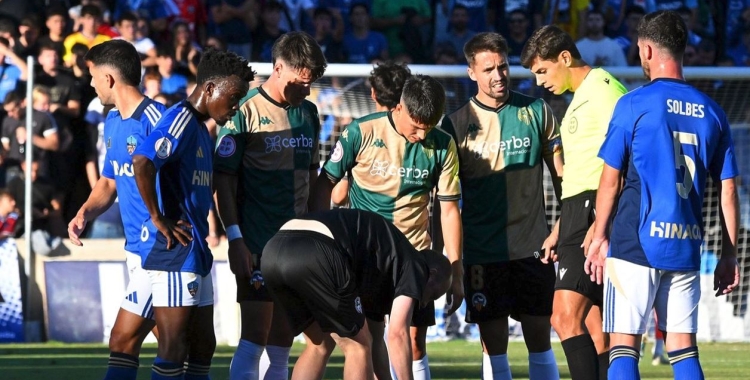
(666, 137)
(121, 137)
(182, 152)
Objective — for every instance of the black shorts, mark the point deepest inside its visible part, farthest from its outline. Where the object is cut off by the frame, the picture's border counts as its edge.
(253, 288)
(311, 280)
(576, 216)
(511, 288)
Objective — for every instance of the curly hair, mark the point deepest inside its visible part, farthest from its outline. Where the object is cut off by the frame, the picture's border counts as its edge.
(217, 64)
(387, 79)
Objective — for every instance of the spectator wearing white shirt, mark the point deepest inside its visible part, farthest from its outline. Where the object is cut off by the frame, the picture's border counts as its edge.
(126, 26)
(596, 48)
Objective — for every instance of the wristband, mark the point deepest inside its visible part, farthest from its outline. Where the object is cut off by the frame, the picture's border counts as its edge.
(233, 232)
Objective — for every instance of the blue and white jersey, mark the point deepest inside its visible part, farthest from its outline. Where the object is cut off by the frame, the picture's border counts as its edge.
(121, 137)
(182, 152)
(666, 137)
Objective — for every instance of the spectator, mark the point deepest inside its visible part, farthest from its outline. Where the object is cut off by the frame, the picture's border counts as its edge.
(628, 41)
(9, 31)
(8, 215)
(13, 69)
(91, 18)
(597, 49)
(616, 13)
(171, 82)
(361, 44)
(741, 53)
(15, 10)
(193, 12)
(297, 15)
(57, 19)
(104, 27)
(737, 16)
(186, 51)
(268, 31)
(329, 39)
(518, 34)
(152, 83)
(706, 53)
(157, 12)
(344, 8)
(400, 22)
(28, 36)
(458, 32)
(568, 16)
(688, 15)
(476, 14)
(127, 25)
(47, 223)
(216, 42)
(235, 19)
(498, 11)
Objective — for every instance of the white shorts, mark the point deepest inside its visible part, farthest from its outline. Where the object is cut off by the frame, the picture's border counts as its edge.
(176, 289)
(632, 290)
(138, 294)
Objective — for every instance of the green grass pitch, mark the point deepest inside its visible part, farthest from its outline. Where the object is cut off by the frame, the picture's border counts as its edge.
(448, 360)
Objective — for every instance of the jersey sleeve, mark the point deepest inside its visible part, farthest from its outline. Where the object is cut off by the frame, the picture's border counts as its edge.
(723, 164)
(551, 140)
(107, 170)
(231, 142)
(165, 143)
(344, 153)
(49, 126)
(449, 186)
(615, 150)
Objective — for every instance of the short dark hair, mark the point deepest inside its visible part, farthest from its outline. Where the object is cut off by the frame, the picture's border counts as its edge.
(32, 21)
(216, 64)
(165, 50)
(488, 41)
(595, 11)
(637, 9)
(546, 44)
(57, 10)
(424, 98)
(667, 30)
(359, 4)
(47, 45)
(91, 10)
(300, 51)
(128, 16)
(13, 97)
(4, 41)
(387, 79)
(8, 26)
(322, 11)
(119, 55)
(273, 5)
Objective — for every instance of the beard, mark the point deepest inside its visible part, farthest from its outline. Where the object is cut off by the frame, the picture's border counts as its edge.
(646, 69)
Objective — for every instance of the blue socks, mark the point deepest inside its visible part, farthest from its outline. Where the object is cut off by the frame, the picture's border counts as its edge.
(164, 370)
(685, 364)
(543, 366)
(121, 367)
(623, 363)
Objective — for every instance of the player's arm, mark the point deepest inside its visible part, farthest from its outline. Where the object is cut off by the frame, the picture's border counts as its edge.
(399, 343)
(49, 139)
(727, 275)
(101, 198)
(552, 152)
(342, 160)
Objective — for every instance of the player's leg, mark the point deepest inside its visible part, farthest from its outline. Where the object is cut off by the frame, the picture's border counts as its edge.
(176, 296)
(132, 325)
(488, 304)
(380, 360)
(657, 357)
(280, 339)
(629, 291)
(595, 328)
(201, 335)
(256, 311)
(311, 363)
(421, 320)
(533, 284)
(357, 355)
(676, 308)
(575, 293)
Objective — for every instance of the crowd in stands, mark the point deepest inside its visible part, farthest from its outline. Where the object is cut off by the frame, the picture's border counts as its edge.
(170, 35)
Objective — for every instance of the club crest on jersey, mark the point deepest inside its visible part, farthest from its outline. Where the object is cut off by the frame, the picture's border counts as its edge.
(358, 305)
(163, 148)
(227, 146)
(132, 143)
(524, 116)
(338, 152)
(256, 280)
(573, 125)
(193, 288)
(479, 301)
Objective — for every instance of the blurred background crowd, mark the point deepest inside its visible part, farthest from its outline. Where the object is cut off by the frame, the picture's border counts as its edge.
(170, 35)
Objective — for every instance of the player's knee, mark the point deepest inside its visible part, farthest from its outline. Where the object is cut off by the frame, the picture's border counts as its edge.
(203, 347)
(562, 322)
(126, 343)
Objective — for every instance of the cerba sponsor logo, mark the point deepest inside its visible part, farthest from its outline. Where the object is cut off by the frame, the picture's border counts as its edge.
(277, 143)
(511, 146)
(386, 169)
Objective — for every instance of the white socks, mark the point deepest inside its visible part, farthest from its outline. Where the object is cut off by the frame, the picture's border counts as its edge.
(421, 369)
(244, 365)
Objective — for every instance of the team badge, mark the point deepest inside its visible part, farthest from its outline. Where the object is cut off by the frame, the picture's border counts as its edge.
(227, 146)
(163, 148)
(573, 125)
(192, 288)
(358, 305)
(523, 116)
(338, 152)
(257, 280)
(132, 143)
(479, 301)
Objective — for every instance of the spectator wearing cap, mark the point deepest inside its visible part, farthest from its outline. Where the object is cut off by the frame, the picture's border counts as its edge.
(361, 44)
(91, 18)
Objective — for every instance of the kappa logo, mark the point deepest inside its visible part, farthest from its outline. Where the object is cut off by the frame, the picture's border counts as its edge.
(230, 126)
(345, 134)
(256, 281)
(193, 288)
(273, 144)
(378, 143)
(131, 143)
(479, 301)
(358, 305)
(473, 129)
(562, 272)
(264, 120)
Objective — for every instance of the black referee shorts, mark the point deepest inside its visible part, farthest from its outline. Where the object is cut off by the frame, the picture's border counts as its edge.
(576, 216)
(310, 279)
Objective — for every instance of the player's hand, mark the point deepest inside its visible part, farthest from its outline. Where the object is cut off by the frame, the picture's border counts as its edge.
(212, 240)
(549, 249)
(594, 264)
(240, 259)
(726, 275)
(587, 240)
(75, 228)
(455, 294)
(178, 232)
